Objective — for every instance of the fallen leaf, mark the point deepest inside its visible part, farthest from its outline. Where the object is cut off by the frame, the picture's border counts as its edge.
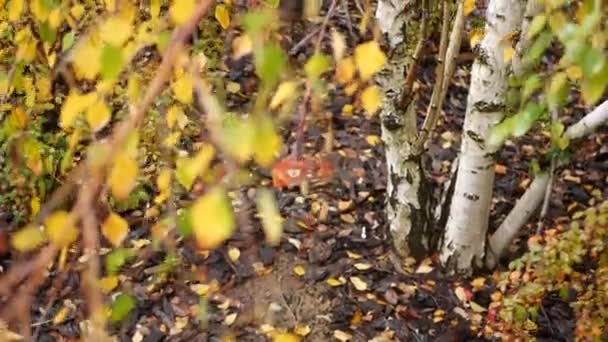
(358, 283)
(299, 270)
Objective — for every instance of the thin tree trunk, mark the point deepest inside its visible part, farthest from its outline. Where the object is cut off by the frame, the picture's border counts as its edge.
(532, 198)
(464, 241)
(408, 207)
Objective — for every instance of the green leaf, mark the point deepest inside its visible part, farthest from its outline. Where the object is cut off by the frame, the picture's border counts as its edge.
(123, 304)
(67, 41)
(525, 119)
(592, 88)
(520, 313)
(537, 49)
(593, 62)
(270, 63)
(116, 259)
(500, 132)
(317, 65)
(111, 61)
(532, 84)
(238, 138)
(184, 222)
(537, 25)
(47, 34)
(258, 21)
(558, 91)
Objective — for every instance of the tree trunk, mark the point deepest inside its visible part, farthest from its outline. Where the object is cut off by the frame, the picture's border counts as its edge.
(463, 245)
(408, 195)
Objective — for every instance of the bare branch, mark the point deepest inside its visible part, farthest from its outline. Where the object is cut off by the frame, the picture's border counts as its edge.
(533, 197)
(411, 71)
(589, 123)
(521, 213)
(448, 52)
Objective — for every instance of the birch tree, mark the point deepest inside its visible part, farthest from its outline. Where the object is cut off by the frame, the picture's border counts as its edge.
(516, 35)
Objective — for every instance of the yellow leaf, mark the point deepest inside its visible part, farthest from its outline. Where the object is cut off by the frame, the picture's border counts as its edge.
(241, 46)
(123, 176)
(61, 315)
(285, 93)
(371, 99)
(60, 228)
(574, 72)
(163, 181)
(15, 9)
(172, 113)
(234, 254)
(107, 284)
(35, 205)
(345, 70)
(270, 216)
(182, 88)
(475, 37)
(508, 53)
(98, 115)
(267, 142)
(469, 6)
(359, 284)
(181, 10)
(154, 8)
(55, 18)
(233, 87)
(369, 59)
(334, 282)
(72, 106)
(27, 238)
(373, 140)
(212, 219)
(351, 88)
(299, 270)
(115, 30)
(285, 338)
(478, 283)
(77, 11)
(39, 10)
(302, 330)
(115, 229)
(87, 59)
(222, 15)
(18, 118)
(187, 169)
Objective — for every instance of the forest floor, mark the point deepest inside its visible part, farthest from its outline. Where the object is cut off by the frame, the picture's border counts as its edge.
(333, 276)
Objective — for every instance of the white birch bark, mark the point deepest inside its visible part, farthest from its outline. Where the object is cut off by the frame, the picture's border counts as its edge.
(463, 245)
(531, 199)
(408, 211)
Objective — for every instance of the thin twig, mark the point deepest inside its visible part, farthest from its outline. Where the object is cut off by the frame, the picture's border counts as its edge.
(349, 21)
(119, 136)
(411, 71)
(302, 110)
(448, 51)
(549, 189)
(329, 14)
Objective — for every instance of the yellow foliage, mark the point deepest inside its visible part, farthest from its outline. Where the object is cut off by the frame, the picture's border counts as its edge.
(181, 10)
(212, 219)
(123, 176)
(369, 59)
(60, 228)
(115, 229)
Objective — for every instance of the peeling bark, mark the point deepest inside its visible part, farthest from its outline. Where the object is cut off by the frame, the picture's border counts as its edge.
(408, 205)
(464, 242)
